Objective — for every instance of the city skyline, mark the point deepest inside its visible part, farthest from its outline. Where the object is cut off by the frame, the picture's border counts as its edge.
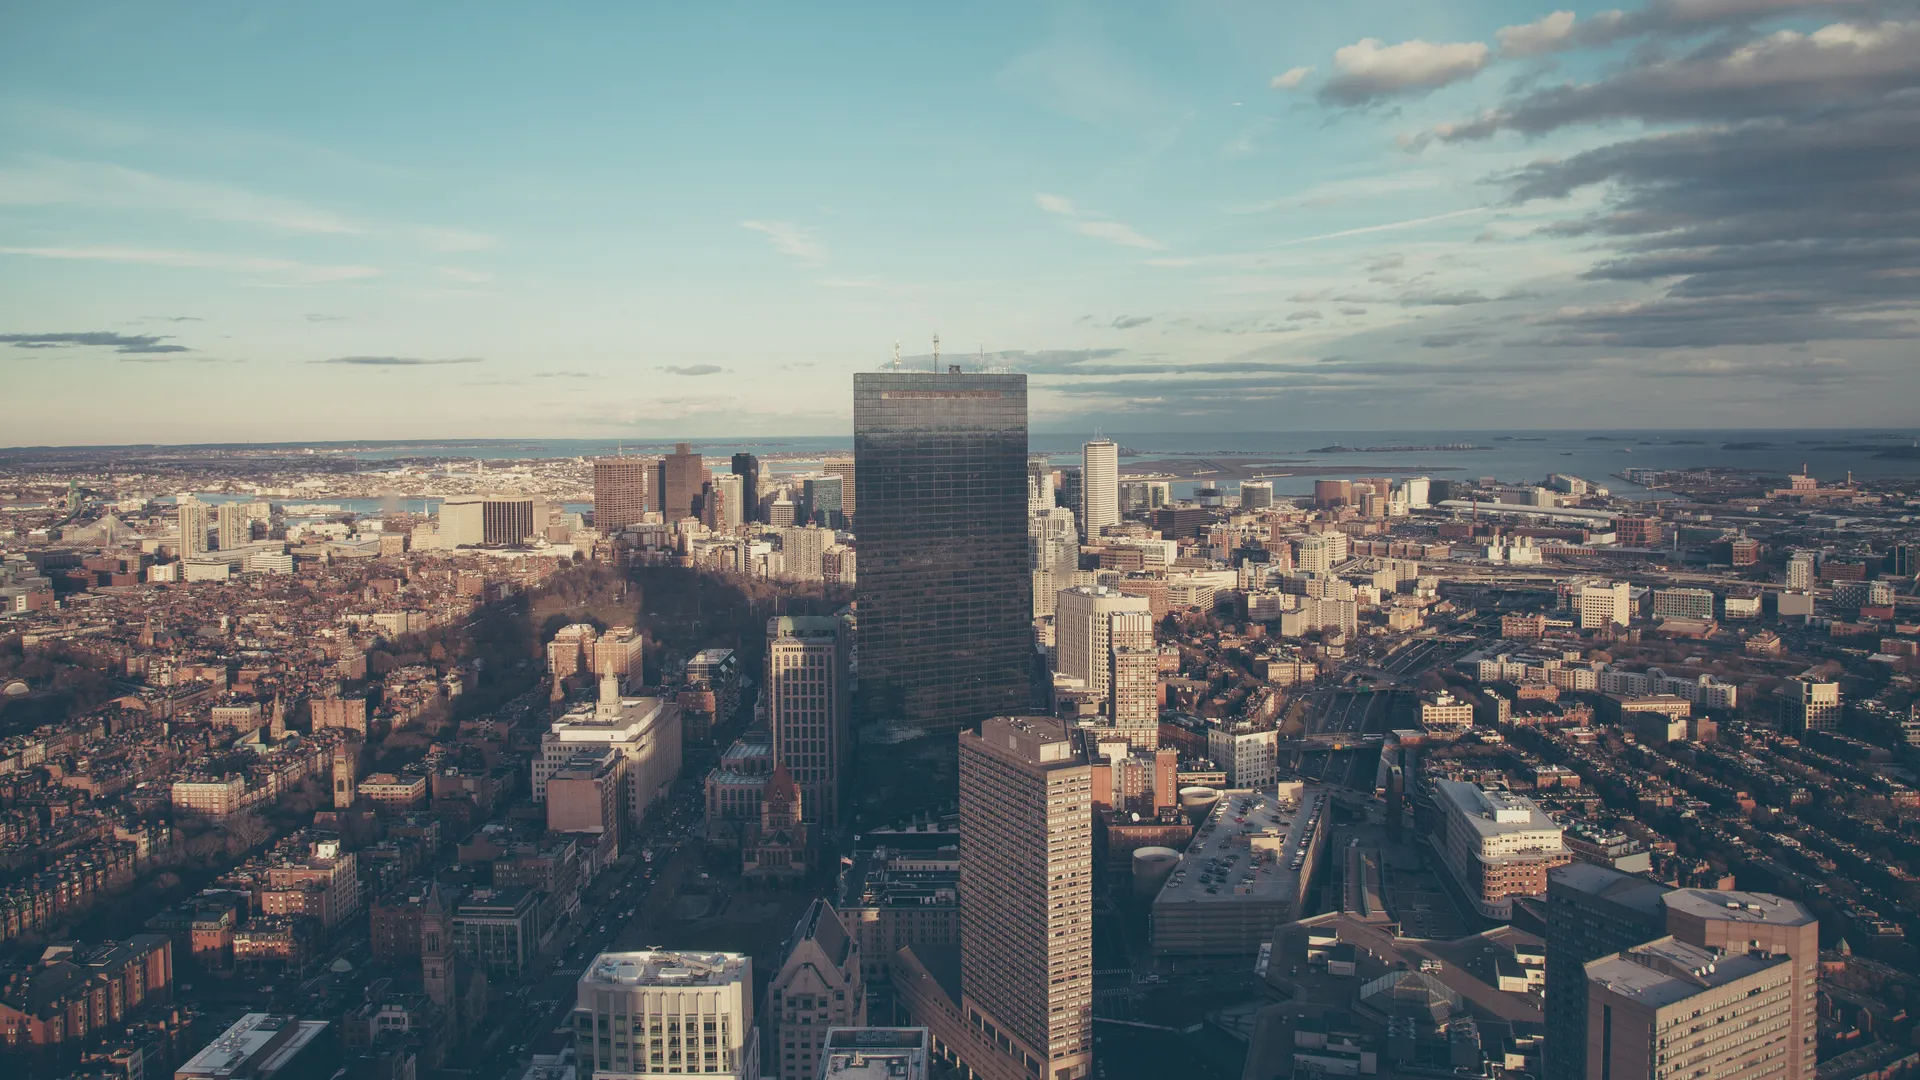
(1212, 218)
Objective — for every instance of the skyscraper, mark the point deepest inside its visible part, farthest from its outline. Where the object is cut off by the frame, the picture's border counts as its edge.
(943, 592)
(620, 490)
(681, 474)
(1026, 895)
(810, 708)
(1099, 486)
(192, 516)
(1090, 621)
(1667, 1010)
(821, 501)
(844, 468)
(747, 468)
(234, 524)
(1592, 911)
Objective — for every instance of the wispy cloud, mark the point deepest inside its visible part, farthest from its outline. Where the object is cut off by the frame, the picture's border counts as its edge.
(142, 344)
(1114, 232)
(693, 369)
(798, 242)
(173, 318)
(454, 239)
(1291, 78)
(306, 273)
(1390, 226)
(316, 316)
(50, 181)
(565, 375)
(394, 361)
(1128, 322)
(469, 277)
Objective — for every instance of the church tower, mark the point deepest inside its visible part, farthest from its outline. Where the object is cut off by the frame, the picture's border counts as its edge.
(345, 779)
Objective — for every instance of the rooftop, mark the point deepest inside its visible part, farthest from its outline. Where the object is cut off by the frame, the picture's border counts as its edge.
(666, 967)
(1728, 906)
(1493, 812)
(256, 1044)
(872, 1053)
(1248, 850)
(1665, 971)
(1625, 890)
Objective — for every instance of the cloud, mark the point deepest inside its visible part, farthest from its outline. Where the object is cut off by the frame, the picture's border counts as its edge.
(1117, 233)
(1291, 78)
(1759, 77)
(298, 272)
(799, 242)
(132, 344)
(314, 316)
(1113, 232)
(1669, 19)
(1389, 226)
(173, 318)
(1128, 322)
(1368, 72)
(565, 375)
(394, 361)
(470, 277)
(47, 181)
(693, 369)
(1299, 316)
(1549, 33)
(1055, 204)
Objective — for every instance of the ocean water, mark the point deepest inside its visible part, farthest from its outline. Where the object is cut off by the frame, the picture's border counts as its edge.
(1516, 455)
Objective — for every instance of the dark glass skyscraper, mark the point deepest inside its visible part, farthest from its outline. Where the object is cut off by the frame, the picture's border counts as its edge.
(747, 468)
(945, 602)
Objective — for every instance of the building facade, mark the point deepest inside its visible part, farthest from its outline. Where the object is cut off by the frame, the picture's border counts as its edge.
(943, 589)
(810, 708)
(654, 1014)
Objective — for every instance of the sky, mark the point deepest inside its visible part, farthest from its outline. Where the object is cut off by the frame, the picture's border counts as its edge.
(313, 221)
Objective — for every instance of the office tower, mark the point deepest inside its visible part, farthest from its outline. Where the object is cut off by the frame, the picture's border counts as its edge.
(1592, 911)
(234, 525)
(1089, 622)
(587, 794)
(1810, 703)
(1068, 493)
(1736, 924)
(1667, 1010)
(747, 468)
(1026, 892)
(818, 986)
(641, 1015)
(1039, 483)
(1053, 543)
(1800, 569)
(681, 474)
(1496, 844)
(192, 518)
(645, 731)
(620, 491)
(803, 551)
(877, 1053)
(1603, 606)
(843, 467)
(1256, 494)
(494, 520)
(1133, 695)
(1419, 492)
(720, 502)
(1328, 494)
(809, 706)
(943, 591)
(821, 502)
(1099, 486)
(781, 511)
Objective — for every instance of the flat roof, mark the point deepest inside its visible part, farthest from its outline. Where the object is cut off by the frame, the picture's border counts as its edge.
(665, 967)
(1221, 865)
(250, 1036)
(1666, 971)
(1494, 813)
(1730, 906)
(1616, 887)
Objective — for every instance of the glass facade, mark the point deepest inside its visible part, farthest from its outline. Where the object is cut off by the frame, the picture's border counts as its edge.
(945, 602)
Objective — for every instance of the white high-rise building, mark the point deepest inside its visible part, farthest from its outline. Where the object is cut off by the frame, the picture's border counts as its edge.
(1099, 486)
(1418, 489)
(659, 1013)
(1604, 605)
(1051, 539)
(1800, 570)
(192, 517)
(1089, 622)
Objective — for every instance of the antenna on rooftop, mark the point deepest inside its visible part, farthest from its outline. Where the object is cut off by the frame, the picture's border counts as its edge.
(936, 354)
(896, 356)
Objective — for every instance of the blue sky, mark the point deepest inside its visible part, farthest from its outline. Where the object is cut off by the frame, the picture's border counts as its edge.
(294, 221)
